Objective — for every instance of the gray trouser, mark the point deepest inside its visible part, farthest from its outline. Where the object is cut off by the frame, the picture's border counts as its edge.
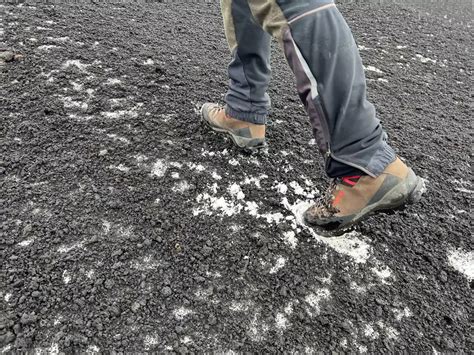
(322, 54)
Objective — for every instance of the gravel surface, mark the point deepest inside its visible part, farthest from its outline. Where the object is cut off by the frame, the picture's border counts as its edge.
(126, 225)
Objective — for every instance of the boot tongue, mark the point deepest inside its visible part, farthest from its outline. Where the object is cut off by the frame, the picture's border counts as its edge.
(350, 180)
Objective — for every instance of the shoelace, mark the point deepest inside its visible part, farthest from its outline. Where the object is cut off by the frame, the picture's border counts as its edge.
(324, 203)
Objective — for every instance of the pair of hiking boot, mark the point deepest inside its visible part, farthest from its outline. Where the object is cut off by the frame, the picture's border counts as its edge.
(348, 199)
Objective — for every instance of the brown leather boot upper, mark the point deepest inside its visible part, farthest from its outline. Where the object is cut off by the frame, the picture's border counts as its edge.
(218, 118)
(348, 198)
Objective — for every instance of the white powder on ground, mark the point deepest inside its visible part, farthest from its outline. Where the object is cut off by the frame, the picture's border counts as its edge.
(281, 322)
(280, 263)
(233, 162)
(236, 191)
(424, 59)
(75, 63)
(282, 188)
(290, 238)
(314, 299)
(181, 186)
(399, 314)
(181, 313)
(66, 277)
(348, 244)
(216, 176)
(159, 168)
(463, 262)
(374, 69)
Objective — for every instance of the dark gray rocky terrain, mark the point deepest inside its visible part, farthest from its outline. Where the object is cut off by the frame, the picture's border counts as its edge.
(126, 225)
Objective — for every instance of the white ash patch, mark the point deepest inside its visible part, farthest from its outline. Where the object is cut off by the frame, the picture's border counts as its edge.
(69, 103)
(113, 81)
(120, 167)
(116, 103)
(424, 59)
(233, 162)
(149, 61)
(281, 188)
(150, 341)
(382, 80)
(216, 176)
(58, 39)
(463, 262)
(186, 340)
(362, 48)
(348, 244)
(75, 63)
(90, 274)
(280, 263)
(175, 175)
(145, 263)
(220, 204)
(373, 69)
(67, 249)
(383, 272)
(299, 190)
(66, 277)
(92, 349)
(76, 86)
(118, 138)
(255, 180)
(370, 332)
(7, 297)
(106, 225)
(257, 329)
(58, 320)
(236, 191)
(159, 168)
(401, 47)
(175, 164)
(290, 239)
(196, 167)
(119, 114)
(281, 322)
(182, 312)
(357, 288)
(390, 332)
(181, 186)
(47, 47)
(168, 117)
(289, 307)
(26, 242)
(314, 299)
(402, 313)
(240, 306)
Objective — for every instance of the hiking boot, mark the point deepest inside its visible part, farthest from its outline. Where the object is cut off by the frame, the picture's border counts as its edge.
(244, 134)
(350, 199)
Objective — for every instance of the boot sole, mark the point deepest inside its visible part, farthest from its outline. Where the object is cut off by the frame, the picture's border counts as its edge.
(401, 195)
(241, 142)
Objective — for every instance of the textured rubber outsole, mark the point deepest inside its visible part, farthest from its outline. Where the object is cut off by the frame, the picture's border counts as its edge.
(243, 143)
(401, 195)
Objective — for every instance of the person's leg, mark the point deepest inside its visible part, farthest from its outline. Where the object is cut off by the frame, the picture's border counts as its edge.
(249, 71)
(330, 78)
(247, 102)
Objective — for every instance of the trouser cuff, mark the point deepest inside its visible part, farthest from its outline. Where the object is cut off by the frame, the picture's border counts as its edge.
(381, 160)
(250, 117)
